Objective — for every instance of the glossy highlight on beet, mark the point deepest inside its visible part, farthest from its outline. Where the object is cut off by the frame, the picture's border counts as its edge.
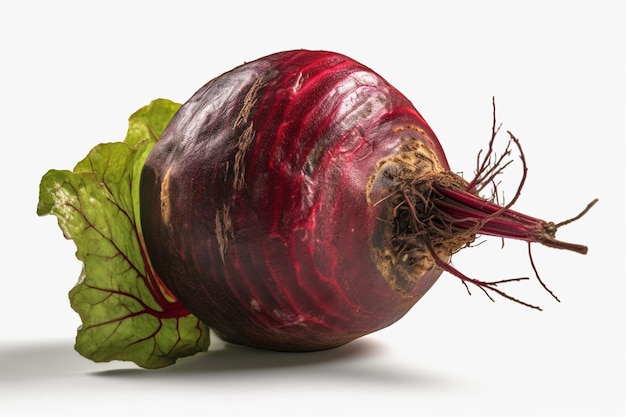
(300, 201)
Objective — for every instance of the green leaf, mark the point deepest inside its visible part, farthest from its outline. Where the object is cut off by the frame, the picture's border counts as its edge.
(126, 311)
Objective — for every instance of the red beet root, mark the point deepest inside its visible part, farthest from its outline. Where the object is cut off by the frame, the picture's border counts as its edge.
(299, 201)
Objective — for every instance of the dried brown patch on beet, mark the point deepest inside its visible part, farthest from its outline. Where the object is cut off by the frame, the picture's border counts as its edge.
(412, 225)
(239, 169)
(223, 229)
(248, 133)
(165, 199)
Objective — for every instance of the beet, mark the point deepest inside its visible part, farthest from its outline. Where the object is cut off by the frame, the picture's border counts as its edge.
(300, 201)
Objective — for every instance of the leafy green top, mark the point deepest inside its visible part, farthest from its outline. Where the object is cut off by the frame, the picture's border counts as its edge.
(126, 312)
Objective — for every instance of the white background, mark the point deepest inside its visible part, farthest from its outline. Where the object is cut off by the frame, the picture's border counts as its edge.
(72, 72)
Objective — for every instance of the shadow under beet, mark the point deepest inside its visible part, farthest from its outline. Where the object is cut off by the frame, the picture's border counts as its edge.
(362, 361)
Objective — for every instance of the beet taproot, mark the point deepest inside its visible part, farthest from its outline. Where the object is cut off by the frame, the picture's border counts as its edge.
(299, 201)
